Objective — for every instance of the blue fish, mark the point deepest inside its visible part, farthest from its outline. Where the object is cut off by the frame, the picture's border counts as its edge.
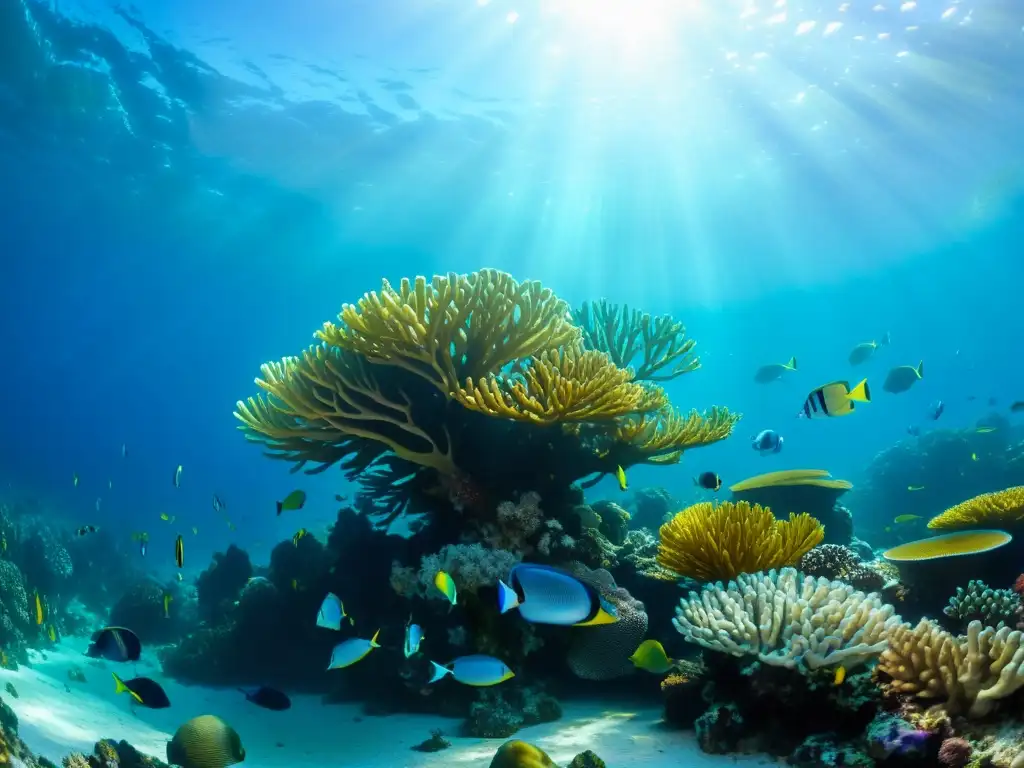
(413, 638)
(352, 650)
(766, 441)
(479, 671)
(546, 595)
(331, 612)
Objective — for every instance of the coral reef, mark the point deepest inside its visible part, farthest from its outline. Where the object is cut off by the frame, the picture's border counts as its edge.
(837, 562)
(500, 712)
(979, 602)
(141, 608)
(709, 542)
(794, 491)
(602, 652)
(220, 584)
(651, 507)
(990, 510)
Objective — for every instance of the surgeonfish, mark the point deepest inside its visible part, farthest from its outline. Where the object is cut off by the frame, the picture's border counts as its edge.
(294, 500)
(331, 612)
(446, 585)
(546, 595)
(85, 530)
(167, 605)
(620, 475)
(477, 670)
(766, 441)
(347, 653)
(520, 754)
(268, 698)
(835, 399)
(863, 352)
(709, 481)
(205, 742)
(146, 692)
(177, 477)
(179, 551)
(902, 378)
(413, 638)
(115, 644)
(651, 657)
(298, 536)
(39, 609)
(774, 371)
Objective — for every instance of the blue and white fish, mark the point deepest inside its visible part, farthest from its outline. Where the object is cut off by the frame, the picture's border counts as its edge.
(350, 651)
(413, 638)
(331, 612)
(479, 671)
(766, 441)
(546, 595)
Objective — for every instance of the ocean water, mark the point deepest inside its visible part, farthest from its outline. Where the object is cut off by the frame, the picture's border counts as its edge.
(191, 189)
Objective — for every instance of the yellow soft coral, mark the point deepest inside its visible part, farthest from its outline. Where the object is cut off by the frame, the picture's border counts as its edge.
(996, 510)
(709, 542)
(662, 436)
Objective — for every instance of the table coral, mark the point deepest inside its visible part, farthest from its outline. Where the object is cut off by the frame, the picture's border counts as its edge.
(787, 619)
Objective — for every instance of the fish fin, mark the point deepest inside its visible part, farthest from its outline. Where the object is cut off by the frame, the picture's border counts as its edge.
(507, 597)
(280, 506)
(791, 364)
(601, 617)
(860, 393)
(920, 370)
(439, 672)
(373, 640)
(119, 686)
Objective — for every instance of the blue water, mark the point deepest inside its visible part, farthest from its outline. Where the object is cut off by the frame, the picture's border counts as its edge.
(193, 188)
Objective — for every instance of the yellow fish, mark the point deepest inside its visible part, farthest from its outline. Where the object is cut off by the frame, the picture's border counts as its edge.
(620, 475)
(905, 518)
(840, 676)
(167, 605)
(179, 551)
(295, 584)
(166, 518)
(915, 487)
(974, 457)
(651, 656)
(298, 536)
(985, 430)
(52, 634)
(39, 610)
(446, 586)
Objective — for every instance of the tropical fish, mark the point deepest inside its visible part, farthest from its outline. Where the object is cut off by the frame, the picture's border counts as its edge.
(298, 536)
(143, 690)
(835, 399)
(935, 409)
(167, 605)
(98, 502)
(863, 352)
(205, 742)
(915, 487)
(143, 538)
(218, 504)
(620, 475)
(110, 485)
(974, 457)
(85, 530)
(268, 698)
(446, 585)
(651, 657)
(75, 479)
(347, 653)
(774, 371)
(985, 430)
(899, 519)
(294, 500)
(902, 378)
(1017, 406)
(839, 676)
(180, 577)
(477, 670)
(51, 632)
(115, 644)
(546, 595)
(179, 551)
(766, 441)
(331, 612)
(39, 609)
(708, 480)
(413, 638)
(166, 518)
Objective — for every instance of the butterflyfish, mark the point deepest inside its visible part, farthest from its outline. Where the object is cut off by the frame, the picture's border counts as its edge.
(115, 644)
(347, 653)
(835, 399)
(620, 475)
(294, 500)
(651, 657)
(331, 612)
(446, 585)
(179, 551)
(268, 698)
(902, 378)
(205, 742)
(477, 670)
(547, 595)
(413, 638)
(177, 477)
(39, 610)
(143, 691)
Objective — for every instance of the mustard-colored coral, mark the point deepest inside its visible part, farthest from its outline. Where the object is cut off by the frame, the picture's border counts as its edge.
(662, 436)
(709, 542)
(995, 510)
(949, 545)
(819, 478)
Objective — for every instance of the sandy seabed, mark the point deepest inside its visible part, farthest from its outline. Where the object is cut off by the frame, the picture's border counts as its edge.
(58, 716)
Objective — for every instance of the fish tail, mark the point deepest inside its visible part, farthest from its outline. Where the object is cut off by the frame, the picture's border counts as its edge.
(280, 506)
(920, 370)
(860, 393)
(507, 597)
(791, 364)
(373, 640)
(439, 672)
(119, 686)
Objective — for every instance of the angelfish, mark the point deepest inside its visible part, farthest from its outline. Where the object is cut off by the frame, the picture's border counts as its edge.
(413, 638)
(546, 595)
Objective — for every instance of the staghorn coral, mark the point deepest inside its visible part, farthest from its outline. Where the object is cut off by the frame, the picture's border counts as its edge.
(968, 674)
(995, 510)
(979, 602)
(471, 567)
(662, 436)
(789, 620)
(624, 334)
(709, 542)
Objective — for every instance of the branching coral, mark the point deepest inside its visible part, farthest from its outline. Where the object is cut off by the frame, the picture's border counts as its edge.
(624, 334)
(789, 620)
(661, 437)
(979, 602)
(471, 567)
(962, 674)
(1001, 509)
(709, 542)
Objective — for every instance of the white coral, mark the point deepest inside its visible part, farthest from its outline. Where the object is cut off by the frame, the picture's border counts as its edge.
(787, 620)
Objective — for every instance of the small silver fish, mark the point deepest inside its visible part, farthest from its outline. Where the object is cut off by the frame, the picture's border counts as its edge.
(177, 477)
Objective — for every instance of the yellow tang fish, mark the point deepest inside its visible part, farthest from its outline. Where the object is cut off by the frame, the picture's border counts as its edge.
(446, 585)
(39, 610)
(651, 656)
(620, 475)
(840, 676)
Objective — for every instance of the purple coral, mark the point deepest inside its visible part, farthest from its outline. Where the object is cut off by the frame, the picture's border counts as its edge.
(954, 752)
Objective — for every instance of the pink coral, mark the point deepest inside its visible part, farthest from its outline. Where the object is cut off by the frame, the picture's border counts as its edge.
(954, 752)
(1018, 585)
